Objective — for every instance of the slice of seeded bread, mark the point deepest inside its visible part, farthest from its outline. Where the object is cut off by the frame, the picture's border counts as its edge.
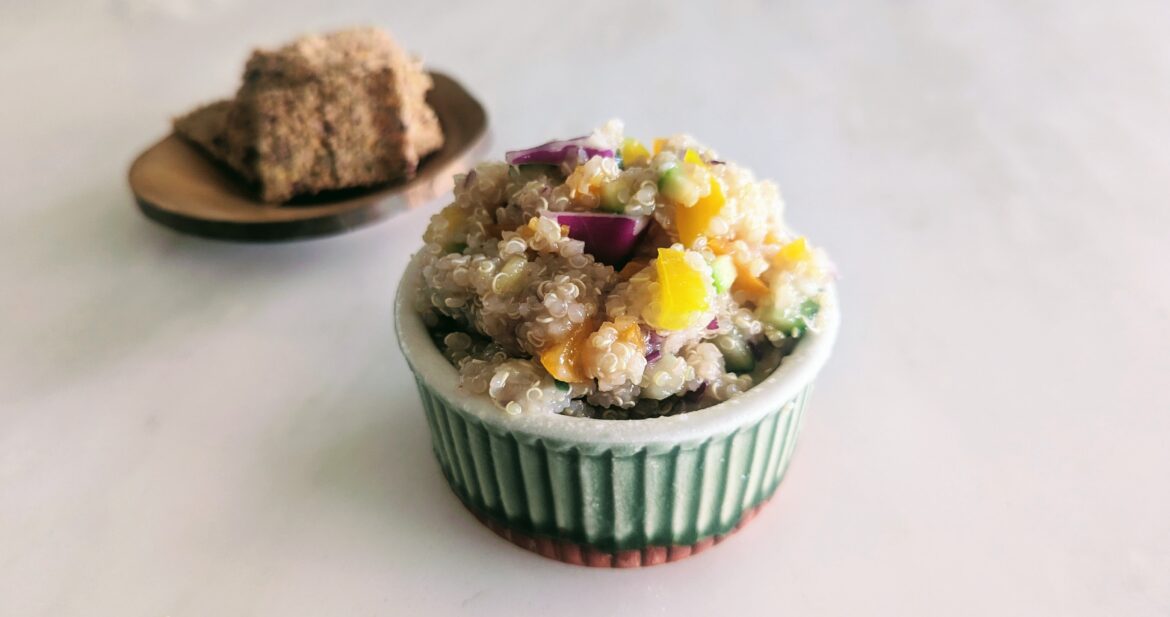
(206, 126)
(325, 112)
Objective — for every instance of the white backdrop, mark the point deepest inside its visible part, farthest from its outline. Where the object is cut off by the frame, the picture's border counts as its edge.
(190, 427)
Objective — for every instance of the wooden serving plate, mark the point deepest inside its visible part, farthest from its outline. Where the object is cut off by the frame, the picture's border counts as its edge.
(178, 185)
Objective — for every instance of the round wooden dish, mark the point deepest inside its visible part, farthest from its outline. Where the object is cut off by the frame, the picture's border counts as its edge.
(176, 184)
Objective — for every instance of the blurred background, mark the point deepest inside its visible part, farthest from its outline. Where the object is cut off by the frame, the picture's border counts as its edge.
(192, 427)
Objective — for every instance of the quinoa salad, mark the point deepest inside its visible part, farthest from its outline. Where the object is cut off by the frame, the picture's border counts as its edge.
(607, 278)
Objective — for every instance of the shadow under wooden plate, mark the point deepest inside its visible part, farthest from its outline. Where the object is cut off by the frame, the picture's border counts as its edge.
(179, 186)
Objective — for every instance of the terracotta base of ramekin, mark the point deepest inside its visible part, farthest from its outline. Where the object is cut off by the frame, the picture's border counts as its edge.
(586, 555)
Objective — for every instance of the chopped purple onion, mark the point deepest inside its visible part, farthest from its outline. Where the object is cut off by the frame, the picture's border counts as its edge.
(609, 238)
(555, 152)
(654, 340)
(653, 346)
(714, 325)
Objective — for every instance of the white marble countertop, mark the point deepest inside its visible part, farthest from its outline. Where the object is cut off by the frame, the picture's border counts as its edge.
(190, 427)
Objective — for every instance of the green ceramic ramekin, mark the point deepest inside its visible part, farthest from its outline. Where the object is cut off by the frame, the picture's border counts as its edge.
(612, 492)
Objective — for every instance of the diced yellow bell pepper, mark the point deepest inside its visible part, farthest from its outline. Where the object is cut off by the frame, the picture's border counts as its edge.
(633, 152)
(682, 293)
(563, 360)
(692, 222)
(793, 253)
(693, 157)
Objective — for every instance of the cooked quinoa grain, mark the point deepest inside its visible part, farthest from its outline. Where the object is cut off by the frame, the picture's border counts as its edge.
(600, 277)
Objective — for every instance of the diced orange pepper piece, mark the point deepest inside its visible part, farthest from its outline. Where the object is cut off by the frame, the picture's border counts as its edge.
(692, 222)
(748, 283)
(659, 143)
(563, 360)
(632, 334)
(745, 281)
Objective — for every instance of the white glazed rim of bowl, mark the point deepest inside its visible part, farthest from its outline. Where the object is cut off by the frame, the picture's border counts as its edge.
(796, 371)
